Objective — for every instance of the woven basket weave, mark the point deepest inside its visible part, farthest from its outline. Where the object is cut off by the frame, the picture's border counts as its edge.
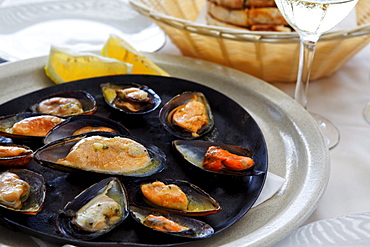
(271, 56)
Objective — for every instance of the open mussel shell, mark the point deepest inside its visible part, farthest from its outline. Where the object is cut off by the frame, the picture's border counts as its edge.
(36, 198)
(109, 93)
(167, 111)
(18, 155)
(197, 229)
(7, 123)
(87, 101)
(110, 188)
(200, 203)
(193, 151)
(75, 123)
(50, 153)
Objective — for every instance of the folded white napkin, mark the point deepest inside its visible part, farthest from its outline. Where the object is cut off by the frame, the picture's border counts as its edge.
(272, 184)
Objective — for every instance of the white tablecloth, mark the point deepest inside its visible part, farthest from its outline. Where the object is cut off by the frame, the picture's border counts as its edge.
(342, 98)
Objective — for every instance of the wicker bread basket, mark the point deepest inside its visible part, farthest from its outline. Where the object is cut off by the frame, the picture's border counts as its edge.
(271, 56)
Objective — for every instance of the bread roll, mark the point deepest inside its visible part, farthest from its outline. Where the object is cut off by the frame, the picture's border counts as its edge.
(237, 17)
(268, 16)
(254, 15)
(230, 4)
(241, 4)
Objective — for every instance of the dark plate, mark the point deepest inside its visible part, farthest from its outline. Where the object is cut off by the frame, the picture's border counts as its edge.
(233, 125)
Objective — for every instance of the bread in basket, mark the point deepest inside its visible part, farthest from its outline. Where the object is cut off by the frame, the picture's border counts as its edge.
(271, 56)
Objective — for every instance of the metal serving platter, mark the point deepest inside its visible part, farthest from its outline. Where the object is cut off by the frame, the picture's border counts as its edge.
(296, 149)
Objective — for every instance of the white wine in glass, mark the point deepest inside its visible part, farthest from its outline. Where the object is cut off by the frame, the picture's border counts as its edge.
(312, 18)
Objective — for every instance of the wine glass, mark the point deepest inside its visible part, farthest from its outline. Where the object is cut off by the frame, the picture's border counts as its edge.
(312, 18)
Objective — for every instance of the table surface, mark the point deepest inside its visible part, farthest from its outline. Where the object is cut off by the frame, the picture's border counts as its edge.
(341, 98)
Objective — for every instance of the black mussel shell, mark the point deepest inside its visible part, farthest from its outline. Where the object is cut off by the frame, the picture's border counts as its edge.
(51, 152)
(197, 229)
(167, 111)
(7, 122)
(200, 202)
(193, 151)
(72, 124)
(35, 202)
(110, 187)
(109, 93)
(87, 101)
(16, 160)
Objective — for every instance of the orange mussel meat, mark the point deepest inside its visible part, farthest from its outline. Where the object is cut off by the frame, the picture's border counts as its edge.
(163, 224)
(88, 129)
(36, 126)
(61, 106)
(165, 195)
(191, 117)
(217, 159)
(13, 190)
(12, 151)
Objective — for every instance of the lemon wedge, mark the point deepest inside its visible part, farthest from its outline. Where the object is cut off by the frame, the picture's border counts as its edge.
(64, 65)
(116, 47)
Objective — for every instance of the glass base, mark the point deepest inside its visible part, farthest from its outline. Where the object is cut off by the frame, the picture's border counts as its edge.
(367, 112)
(328, 129)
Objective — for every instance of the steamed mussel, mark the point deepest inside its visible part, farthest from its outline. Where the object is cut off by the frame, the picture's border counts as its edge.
(102, 152)
(14, 154)
(187, 115)
(82, 124)
(174, 196)
(95, 211)
(130, 98)
(218, 158)
(66, 104)
(27, 125)
(22, 190)
(172, 224)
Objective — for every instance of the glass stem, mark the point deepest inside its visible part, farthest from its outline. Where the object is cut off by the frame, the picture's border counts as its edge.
(306, 54)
